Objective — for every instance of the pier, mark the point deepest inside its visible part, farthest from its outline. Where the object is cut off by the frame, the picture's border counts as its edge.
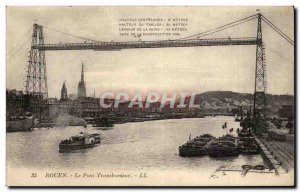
(279, 155)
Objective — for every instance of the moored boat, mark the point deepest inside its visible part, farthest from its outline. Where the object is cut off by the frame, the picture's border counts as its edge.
(20, 123)
(238, 119)
(247, 145)
(103, 122)
(196, 146)
(224, 146)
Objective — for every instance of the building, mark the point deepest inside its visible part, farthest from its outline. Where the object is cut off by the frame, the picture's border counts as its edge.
(64, 92)
(90, 107)
(287, 112)
(15, 103)
(81, 91)
(18, 103)
(72, 96)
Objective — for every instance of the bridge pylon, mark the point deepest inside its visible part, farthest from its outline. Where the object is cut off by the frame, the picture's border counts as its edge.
(259, 109)
(36, 78)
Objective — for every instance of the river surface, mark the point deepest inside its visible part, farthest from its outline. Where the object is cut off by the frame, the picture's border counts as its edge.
(131, 146)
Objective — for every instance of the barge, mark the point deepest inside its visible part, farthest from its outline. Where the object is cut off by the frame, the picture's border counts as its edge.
(103, 122)
(196, 146)
(224, 146)
(247, 143)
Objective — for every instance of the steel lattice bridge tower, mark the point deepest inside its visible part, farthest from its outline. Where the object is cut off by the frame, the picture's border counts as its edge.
(36, 79)
(36, 82)
(259, 109)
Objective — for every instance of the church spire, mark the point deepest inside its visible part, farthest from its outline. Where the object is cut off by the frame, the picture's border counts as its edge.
(82, 73)
(81, 90)
(64, 92)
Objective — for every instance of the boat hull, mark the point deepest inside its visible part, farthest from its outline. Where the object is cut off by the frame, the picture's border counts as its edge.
(223, 152)
(19, 125)
(196, 147)
(192, 152)
(70, 147)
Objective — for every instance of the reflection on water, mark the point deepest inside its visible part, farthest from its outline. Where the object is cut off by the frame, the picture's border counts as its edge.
(130, 146)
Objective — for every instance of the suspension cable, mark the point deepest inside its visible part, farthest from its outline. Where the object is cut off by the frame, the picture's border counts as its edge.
(21, 46)
(224, 28)
(71, 34)
(289, 40)
(232, 24)
(277, 53)
(24, 37)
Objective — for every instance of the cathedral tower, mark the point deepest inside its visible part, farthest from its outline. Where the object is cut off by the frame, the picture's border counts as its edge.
(64, 92)
(81, 91)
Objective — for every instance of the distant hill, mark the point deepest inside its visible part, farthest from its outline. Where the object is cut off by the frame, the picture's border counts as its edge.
(226, 100)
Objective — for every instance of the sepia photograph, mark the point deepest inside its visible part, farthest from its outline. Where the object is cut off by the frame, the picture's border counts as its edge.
(150, 96)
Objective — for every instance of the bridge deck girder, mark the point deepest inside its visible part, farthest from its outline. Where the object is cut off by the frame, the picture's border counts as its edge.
(103, 46)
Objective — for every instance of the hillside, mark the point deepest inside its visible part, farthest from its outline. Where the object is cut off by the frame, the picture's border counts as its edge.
(226, 100)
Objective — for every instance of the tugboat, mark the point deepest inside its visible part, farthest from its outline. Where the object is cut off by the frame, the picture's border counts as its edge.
(80, 141)
(224, 146)
(103, 122)
(196, 146)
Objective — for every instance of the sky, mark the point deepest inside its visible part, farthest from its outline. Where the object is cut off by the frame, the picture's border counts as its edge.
(191, 69)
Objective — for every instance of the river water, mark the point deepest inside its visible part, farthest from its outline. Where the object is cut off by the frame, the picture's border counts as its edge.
(131, 146)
